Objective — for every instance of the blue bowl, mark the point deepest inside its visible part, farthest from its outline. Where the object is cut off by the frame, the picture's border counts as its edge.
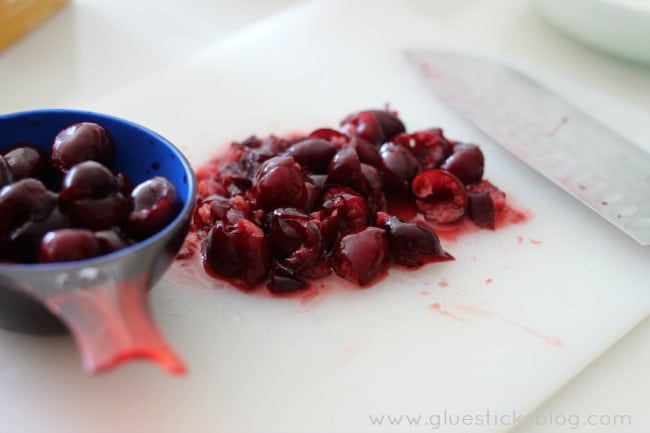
(50, 298)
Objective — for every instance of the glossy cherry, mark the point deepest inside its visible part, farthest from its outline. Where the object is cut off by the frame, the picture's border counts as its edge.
(466, 163)
(82, 142)
(91, 196)
(411, 244)
(361, 256)
(26, 160)
(155, 205)
(67, 245)
(279, 182)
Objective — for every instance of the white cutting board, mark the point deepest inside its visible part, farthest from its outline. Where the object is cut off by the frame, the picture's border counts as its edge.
(518, 313)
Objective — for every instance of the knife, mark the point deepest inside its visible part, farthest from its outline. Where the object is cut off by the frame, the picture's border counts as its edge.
(591, 162)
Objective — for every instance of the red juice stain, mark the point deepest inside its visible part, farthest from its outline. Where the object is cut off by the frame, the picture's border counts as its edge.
(534, 241)
(424, 293)
(472, 309)
(553, 341)
(520, 240)
(438, 309)
(488, 281)
(443, 283)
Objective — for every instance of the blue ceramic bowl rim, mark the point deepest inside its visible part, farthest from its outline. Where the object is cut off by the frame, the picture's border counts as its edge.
(184, 213)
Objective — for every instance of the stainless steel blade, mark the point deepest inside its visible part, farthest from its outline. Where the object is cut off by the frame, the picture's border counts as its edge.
(581, 155)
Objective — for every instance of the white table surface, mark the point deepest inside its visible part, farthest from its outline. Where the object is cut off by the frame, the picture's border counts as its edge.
(94, 47)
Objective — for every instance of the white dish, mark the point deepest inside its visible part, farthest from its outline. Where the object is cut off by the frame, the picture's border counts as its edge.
(617, 27)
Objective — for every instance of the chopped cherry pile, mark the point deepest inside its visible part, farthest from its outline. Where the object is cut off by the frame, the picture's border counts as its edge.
(285, 211)
(70, 205)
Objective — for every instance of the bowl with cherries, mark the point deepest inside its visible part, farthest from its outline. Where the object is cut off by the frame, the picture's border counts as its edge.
(93, 210)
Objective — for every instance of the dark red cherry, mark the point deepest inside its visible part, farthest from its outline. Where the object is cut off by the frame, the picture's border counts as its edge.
(368, 152)
(155, 205)
(112, 240)
(240, 251)
(372, 125)
(361, 256)
(22, 201)
(480, 209)
(221, 254)
(440, 196)
(411, 244)
(5, 172)
(313, 154)
(346, 208)
(337, 138)
(90, 196)
(279, 182)
(345, 169)
(22, 244)
(283, 280)
(67, 245)
(429, 147)
(296, 241)
(466, 163)
(497, 196)
(26, 160)
(82, 142)
(399, 167)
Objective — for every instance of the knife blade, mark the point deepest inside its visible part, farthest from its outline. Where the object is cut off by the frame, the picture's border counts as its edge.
(593, 163)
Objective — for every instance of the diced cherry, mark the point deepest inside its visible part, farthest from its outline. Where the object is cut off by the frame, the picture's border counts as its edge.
(26, 160)
(337, 138)
(466, 163)
(155, 205)
(90, 196)
(429, 147)
(283, 280)
(239, 251)
(361, 256)
(67, 245)
(368, 152)
(345, 169)
(221, 254)
(314, 154)
(440, 196)
(498, 197)
(374, 187)
(82, 142)
(372, 125)
(411, 244)
(346, 208)
(399, 167)
(480, 209)
(279, 182)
